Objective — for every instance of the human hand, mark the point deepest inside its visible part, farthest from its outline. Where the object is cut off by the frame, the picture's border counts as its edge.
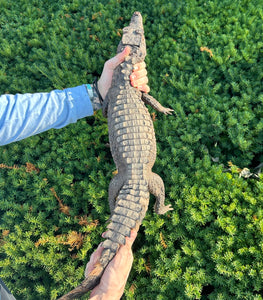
(138, 77)
(114, 278)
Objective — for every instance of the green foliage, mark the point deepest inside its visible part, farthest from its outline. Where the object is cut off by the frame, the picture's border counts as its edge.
(205, 61)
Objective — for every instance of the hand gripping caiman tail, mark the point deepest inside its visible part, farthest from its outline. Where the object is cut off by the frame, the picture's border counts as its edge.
(133, 147)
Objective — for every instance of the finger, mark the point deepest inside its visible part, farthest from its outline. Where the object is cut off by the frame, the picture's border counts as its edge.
(139, 74)
(118, 59)
(130, 240)
(139, 82)
(139, 66)
(93, 259)
(144, 88)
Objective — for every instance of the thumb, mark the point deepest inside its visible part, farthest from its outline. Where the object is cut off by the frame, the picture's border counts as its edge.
(93, 260)
(119, 58)
(131, 239)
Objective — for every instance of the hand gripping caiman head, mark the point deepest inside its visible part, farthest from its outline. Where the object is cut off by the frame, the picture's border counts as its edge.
(133, 36)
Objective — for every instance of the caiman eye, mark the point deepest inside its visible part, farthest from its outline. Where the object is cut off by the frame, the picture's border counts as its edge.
(139, 31)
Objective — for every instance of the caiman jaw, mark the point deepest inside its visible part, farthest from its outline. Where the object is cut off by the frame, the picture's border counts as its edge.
(133, 36)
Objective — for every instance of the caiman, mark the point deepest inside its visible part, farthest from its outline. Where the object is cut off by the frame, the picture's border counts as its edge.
(133, 147)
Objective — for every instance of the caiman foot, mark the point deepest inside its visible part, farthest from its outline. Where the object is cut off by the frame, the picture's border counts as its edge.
(166, 111)
(155, 104)
(156, 187)
(162, 209)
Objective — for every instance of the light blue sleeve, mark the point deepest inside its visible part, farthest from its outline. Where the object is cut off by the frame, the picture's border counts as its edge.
(24, 115)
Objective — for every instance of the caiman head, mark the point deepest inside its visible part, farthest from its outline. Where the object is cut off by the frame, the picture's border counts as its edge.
(133, 36)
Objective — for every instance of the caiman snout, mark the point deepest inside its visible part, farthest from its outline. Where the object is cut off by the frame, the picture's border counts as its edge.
(136, 20)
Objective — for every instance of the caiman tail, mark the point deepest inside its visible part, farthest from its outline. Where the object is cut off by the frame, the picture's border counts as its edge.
(131, 206)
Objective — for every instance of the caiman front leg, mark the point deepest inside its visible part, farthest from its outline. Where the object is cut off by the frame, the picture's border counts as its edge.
(148, 99)
(105, 106)
(156, 187)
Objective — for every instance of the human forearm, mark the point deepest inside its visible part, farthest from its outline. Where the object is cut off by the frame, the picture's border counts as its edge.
(25, 115)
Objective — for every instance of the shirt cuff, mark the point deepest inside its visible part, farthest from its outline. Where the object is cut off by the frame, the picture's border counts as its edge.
(82, 102)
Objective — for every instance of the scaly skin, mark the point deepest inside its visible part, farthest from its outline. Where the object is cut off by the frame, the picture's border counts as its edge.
(133, 147)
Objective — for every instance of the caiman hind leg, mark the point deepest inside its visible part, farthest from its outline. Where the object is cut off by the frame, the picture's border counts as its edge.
(148, 99)
(114, 188)
(156, 187)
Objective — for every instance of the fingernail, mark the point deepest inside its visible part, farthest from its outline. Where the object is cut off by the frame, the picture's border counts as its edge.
(133, 77)
(135, 68)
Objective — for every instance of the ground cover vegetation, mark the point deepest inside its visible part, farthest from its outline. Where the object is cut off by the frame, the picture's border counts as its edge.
(205, 60)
